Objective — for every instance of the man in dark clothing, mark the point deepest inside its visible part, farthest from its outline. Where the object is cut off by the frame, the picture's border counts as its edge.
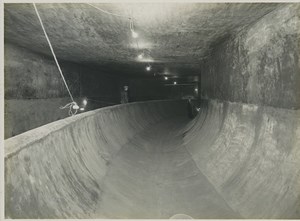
(190, 108)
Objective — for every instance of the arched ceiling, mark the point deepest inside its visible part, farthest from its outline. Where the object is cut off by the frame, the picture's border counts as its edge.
(174, 36)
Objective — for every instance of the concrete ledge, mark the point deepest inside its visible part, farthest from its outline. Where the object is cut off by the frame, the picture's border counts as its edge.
(17, 143)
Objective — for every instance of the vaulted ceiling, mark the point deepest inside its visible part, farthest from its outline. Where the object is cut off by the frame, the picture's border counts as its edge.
(174, 37)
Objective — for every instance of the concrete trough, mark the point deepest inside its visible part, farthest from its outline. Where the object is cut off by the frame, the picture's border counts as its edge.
(149, 160)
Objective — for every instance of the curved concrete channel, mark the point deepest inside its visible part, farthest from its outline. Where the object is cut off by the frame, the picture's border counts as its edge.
(148, 160)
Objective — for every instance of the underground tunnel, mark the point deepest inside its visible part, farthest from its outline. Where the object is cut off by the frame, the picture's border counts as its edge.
(152, 110)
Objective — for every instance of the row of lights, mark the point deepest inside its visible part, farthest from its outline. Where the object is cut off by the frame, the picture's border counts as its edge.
(141, 56)
(175, 83)
(134, 35)
(166, 78)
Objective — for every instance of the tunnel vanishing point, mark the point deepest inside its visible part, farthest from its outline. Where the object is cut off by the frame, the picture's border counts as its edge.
(237, 158)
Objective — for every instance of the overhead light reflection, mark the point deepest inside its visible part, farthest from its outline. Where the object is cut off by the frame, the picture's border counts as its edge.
(140, 56)
(134, 34)
(84, 102)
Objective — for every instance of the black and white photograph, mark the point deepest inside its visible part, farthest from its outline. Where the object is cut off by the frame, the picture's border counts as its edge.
(150, 109)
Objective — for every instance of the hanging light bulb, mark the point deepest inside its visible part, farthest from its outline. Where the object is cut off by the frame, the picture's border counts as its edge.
(148, 68)
(84, 102)
(140, 56)
(196, 89)
(175, 83)
(166, 78)
(134, 34)
(75, 106)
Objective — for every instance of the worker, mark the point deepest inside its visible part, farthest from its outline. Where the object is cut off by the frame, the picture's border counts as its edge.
(124, 95)
(190, 108)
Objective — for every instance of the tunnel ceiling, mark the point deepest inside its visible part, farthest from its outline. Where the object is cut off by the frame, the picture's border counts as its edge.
(173, 36)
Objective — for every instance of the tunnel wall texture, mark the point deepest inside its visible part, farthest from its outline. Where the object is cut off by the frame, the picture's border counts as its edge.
(260, 64)
(34, 89)
(249, 154)
(35, 76)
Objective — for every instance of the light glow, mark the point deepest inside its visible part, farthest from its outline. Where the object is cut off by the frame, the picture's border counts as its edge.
(166, 78)
(81, 109)
(148, 68)
(175, 83)
(75, 107)
(134, 34)
(84, 102)
(140, 56)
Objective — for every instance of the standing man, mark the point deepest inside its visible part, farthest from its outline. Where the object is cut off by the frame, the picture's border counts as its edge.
(124, 95)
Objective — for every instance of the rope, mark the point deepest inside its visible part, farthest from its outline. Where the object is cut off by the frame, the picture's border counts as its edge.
(73, 108)
(73, 104)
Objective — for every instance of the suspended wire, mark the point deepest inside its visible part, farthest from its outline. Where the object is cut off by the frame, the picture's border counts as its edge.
(107, 12)
(131, 24)
(73, 104)
(73, 107)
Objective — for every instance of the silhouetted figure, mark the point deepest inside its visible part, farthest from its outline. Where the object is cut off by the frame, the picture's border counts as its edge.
(124, 95)
(190, 108)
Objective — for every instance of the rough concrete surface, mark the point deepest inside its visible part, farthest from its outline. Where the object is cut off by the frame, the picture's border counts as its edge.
(81, 33)
(26, 114)
(32, 75)
(34, 89)
(260, 65)
(147, 160)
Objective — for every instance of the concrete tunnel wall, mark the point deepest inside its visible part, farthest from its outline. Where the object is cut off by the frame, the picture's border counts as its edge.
(259, 65)
(235, 160)
(34, 89)
(232, 161)
(56, 170)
